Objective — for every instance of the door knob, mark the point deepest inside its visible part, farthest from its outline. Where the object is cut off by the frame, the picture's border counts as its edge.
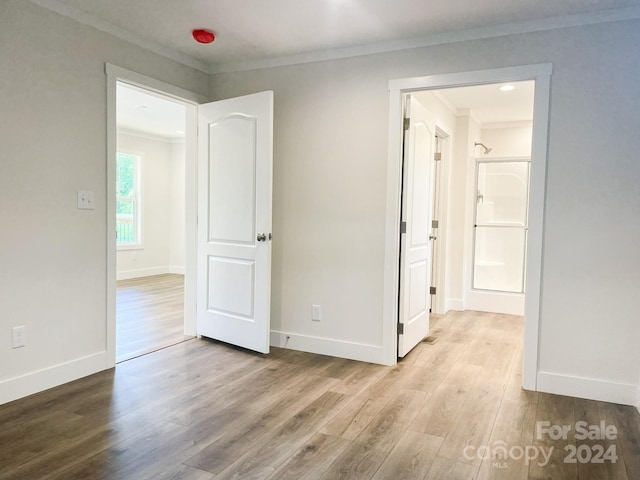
(432, 237)
(262, 237)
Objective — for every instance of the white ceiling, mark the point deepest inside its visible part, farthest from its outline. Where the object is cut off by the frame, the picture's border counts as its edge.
(489, 105)
(253, 33)
(147, 113)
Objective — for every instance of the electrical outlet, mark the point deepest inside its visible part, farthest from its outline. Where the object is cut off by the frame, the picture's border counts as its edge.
(85, 200)
(316, 313)
(17, 337)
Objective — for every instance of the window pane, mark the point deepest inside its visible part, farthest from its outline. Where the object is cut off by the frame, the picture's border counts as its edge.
(127, 217)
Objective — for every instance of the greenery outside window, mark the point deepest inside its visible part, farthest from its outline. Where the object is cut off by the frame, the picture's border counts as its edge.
(128, 201)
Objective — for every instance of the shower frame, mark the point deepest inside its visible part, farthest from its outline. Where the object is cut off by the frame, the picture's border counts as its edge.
(525, 227)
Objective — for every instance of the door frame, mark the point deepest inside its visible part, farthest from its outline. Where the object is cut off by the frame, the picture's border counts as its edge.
(541, 73)
(191, 101)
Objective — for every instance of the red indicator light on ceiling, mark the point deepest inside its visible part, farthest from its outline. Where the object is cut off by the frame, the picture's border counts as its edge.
(203, 36)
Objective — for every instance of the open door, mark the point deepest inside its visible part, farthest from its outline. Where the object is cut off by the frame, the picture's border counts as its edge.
(234, 220)
(415, 241)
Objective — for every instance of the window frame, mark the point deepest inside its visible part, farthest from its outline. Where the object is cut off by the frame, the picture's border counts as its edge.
(138, 218)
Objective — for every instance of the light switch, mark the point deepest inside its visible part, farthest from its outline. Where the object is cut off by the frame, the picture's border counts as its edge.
(85, 200)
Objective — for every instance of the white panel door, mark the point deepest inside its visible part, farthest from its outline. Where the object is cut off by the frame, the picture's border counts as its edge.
(415, 244)
(234, 220)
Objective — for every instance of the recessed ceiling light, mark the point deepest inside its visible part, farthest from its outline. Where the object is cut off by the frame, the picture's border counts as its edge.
(506, 88)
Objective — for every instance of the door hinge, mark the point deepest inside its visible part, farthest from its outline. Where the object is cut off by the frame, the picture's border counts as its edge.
(403, 227)
(437, 156)
(434, 223)
(400, 328)
(432, 290)
(407, 123)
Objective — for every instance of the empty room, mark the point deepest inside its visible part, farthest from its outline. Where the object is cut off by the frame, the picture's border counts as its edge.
(371, 240)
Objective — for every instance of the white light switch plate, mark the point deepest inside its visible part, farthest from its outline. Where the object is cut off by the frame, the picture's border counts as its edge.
(85, 200)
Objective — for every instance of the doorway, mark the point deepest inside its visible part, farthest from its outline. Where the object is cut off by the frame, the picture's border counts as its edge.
(398, 88)
(150, 221)
(133, 262)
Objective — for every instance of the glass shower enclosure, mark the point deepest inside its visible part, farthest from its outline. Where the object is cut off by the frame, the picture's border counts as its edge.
(501, 225)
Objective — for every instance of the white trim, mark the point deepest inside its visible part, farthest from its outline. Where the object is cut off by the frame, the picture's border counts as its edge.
(327, 346)
(638, 398)
(150, 85)
(190, 100)
(494, 302)
(589, 388)
(121, 33)
(541, 74)
(591, 18)
(149, 272)
(143, 272)
(514, 124)
(34, 382)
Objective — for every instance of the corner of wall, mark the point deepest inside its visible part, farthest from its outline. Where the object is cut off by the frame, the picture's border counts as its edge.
(328, 346)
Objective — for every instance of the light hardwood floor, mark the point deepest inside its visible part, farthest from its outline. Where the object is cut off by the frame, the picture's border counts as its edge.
(203, 410)
(149, 315)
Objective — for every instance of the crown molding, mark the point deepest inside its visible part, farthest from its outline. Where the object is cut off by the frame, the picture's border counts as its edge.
(591, 18)
(107, 27)
(514, 124)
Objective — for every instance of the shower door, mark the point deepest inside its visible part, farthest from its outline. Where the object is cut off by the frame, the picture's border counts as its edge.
(500, 227)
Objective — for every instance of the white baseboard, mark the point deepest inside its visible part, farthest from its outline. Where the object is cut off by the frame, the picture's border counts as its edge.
(589, 388)
(495, 302)
(328, 346)
(149, 272)
(455, 304)
(34, 382)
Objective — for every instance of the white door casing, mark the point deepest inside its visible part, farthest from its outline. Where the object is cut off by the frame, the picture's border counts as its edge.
(235, 144)
(415, 244)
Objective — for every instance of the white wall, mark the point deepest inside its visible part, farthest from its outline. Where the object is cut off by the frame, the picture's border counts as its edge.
(460, 211)
(329, 194)
(162, 208)
(53, 137)
(506, 141)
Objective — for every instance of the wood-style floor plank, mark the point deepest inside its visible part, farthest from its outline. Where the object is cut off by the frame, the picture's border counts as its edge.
(204, 410)
(149, 314)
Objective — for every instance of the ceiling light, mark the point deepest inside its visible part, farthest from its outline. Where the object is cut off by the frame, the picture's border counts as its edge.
(506, 88)
(203, 36)
(180, 132)
(142, 107)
